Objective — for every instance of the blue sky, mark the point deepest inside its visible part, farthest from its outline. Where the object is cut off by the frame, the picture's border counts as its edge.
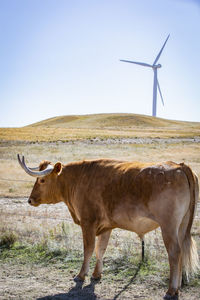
(61, 57)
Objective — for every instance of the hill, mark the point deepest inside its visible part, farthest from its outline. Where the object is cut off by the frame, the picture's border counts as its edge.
(101, 126)
(110, 121)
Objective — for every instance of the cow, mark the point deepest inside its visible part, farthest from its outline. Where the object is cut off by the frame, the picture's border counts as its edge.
(104, 194)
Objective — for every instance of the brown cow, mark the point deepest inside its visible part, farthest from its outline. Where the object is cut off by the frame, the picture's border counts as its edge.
(105, 194)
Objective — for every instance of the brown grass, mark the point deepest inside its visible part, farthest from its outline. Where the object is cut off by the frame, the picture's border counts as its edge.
(103, 121)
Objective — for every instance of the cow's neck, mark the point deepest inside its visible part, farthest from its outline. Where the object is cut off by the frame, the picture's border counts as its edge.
(67, 183)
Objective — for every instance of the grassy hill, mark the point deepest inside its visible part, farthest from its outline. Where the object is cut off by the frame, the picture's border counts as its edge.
(103, 126)
(113, 121)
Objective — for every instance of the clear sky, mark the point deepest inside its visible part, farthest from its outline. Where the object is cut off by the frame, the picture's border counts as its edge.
(61, 57)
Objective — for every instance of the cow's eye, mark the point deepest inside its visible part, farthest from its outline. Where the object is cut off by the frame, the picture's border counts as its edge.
(42, 181)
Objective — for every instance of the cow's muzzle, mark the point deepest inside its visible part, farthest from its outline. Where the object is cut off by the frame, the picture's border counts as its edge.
(32, 202)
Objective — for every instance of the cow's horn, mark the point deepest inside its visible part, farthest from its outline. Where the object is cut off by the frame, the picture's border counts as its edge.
(31, 171)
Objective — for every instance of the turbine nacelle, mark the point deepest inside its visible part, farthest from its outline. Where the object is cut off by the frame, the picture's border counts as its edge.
(157, 66)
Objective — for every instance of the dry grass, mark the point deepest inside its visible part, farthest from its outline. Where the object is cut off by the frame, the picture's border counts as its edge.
(114, 121)
(43, 134)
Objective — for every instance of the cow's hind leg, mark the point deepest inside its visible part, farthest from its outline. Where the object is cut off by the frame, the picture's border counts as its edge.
(89, 244)
(100, 249)
(175, 262)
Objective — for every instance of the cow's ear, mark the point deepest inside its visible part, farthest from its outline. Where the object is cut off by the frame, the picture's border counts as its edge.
(57, 168)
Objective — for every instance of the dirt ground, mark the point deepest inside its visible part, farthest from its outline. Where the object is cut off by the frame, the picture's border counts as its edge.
(53, 281)
(47, 282)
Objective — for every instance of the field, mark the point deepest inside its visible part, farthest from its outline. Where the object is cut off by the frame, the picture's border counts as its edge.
(41, 248)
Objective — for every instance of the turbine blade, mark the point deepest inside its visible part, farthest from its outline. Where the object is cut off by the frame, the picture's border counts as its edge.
(161, 50)
(160, 92)
(137, 63)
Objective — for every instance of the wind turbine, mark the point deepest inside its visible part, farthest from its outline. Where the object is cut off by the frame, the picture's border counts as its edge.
(155, 68)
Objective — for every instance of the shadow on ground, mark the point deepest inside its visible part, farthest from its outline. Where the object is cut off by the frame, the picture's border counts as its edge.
(77, 292)
(87, 292)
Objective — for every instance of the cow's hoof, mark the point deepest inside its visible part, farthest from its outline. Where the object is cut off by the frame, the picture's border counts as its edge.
(96, 276)
(169, 297)
(95, 279)
(79, 279)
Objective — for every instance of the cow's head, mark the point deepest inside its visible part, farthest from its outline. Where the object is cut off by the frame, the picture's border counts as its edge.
(45, 190)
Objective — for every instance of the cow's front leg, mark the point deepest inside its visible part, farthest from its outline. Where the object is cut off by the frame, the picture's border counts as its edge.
(100, 249)
(88, 244)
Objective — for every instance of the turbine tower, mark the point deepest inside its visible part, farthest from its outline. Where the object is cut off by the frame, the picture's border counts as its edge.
(155, 68)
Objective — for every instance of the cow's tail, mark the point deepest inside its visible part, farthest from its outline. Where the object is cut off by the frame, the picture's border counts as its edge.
(190, 257)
